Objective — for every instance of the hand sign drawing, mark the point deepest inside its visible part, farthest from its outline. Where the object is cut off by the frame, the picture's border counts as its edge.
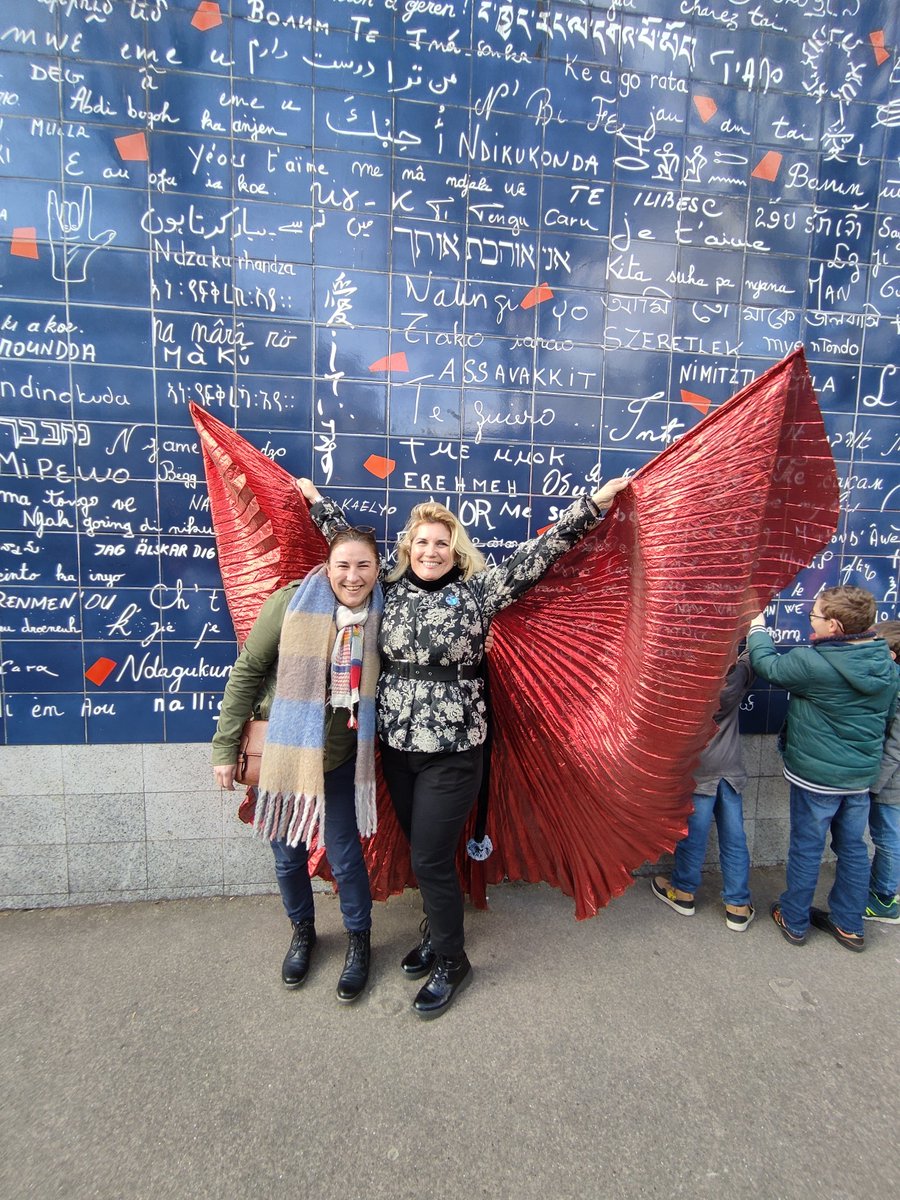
(71, 241)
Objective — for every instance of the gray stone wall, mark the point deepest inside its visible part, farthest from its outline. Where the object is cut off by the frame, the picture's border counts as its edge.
(94, 824)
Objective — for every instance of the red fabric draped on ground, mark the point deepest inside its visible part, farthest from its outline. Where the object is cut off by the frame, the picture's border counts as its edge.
(606, 675)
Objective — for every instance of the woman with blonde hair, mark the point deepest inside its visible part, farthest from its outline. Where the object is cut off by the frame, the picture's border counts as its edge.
(466, 555)
(440, 598)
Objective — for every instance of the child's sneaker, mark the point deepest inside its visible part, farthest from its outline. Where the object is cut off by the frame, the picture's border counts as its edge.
(664, 891)
(877, 910)
(739, 921)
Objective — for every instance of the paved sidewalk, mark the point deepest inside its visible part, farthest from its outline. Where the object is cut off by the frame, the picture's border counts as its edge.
(149, 1051)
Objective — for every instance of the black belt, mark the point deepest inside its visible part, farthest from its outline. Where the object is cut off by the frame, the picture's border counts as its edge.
(436, 674)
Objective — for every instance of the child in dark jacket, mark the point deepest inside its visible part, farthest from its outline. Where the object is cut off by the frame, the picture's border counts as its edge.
(884, 812)
(843, 692)
(718, 781)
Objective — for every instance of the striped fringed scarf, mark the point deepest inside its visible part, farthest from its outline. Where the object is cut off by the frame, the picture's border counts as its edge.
(290, 802)
(346, 660)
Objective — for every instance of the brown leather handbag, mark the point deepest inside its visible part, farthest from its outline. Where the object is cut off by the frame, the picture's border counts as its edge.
(250, 748)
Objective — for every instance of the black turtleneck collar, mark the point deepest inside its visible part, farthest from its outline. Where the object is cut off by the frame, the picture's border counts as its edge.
(434, 585)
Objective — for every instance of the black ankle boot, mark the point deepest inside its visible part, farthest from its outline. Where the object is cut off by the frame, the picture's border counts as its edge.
(448, 976)
(295, 967)
(420, 959)
(356, 967)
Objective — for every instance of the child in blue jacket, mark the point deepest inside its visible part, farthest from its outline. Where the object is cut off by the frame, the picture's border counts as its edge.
(843, 690)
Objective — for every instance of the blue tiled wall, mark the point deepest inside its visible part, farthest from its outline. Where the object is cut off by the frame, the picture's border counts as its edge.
(492, 243)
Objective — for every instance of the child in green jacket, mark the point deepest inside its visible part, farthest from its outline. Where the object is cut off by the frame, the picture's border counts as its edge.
(843, 692)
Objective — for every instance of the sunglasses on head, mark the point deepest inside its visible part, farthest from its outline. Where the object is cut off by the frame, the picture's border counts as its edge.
(349, 530)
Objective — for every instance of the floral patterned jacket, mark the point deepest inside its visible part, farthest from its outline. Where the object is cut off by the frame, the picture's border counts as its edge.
(448, 626)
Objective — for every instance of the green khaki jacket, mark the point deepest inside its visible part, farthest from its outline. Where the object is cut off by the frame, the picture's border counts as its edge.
(843, 694)
(251, 689)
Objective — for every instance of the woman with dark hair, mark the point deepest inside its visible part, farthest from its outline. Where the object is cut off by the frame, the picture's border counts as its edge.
(310, 665)
(440, 598)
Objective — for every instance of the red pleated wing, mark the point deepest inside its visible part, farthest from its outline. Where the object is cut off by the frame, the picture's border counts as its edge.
(605, 675)
(264, 535)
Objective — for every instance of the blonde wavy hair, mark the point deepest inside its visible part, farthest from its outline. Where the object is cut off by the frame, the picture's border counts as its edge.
(467, 557)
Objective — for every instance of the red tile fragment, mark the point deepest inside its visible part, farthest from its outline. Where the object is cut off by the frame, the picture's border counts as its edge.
(768, 166)
(132, 147)
(378, 466)
(99, 671)
(207, 16)
(391, 362)
(24, 242)
(878, 47)
(537, 295)
(701, 403)
(706, 107)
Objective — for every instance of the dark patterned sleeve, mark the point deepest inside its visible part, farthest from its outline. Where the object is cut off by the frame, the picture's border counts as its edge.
(329, 517)
(497, 587)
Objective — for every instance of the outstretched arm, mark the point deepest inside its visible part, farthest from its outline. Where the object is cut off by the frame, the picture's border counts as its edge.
(326, 514)
(790, 670)
(501, 585)
(737, 682)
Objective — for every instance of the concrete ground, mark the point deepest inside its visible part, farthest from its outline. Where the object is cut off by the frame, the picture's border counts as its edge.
(150, 1051)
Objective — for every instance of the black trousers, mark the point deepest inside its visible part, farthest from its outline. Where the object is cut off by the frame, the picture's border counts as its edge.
(432, 795)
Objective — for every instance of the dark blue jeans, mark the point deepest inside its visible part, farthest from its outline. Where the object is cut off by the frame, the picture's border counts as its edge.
(343, 851)
(728, 809)
(813, 815)
(884, 830)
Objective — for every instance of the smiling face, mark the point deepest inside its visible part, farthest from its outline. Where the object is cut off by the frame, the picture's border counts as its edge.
(352, 569)
(430, 551)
